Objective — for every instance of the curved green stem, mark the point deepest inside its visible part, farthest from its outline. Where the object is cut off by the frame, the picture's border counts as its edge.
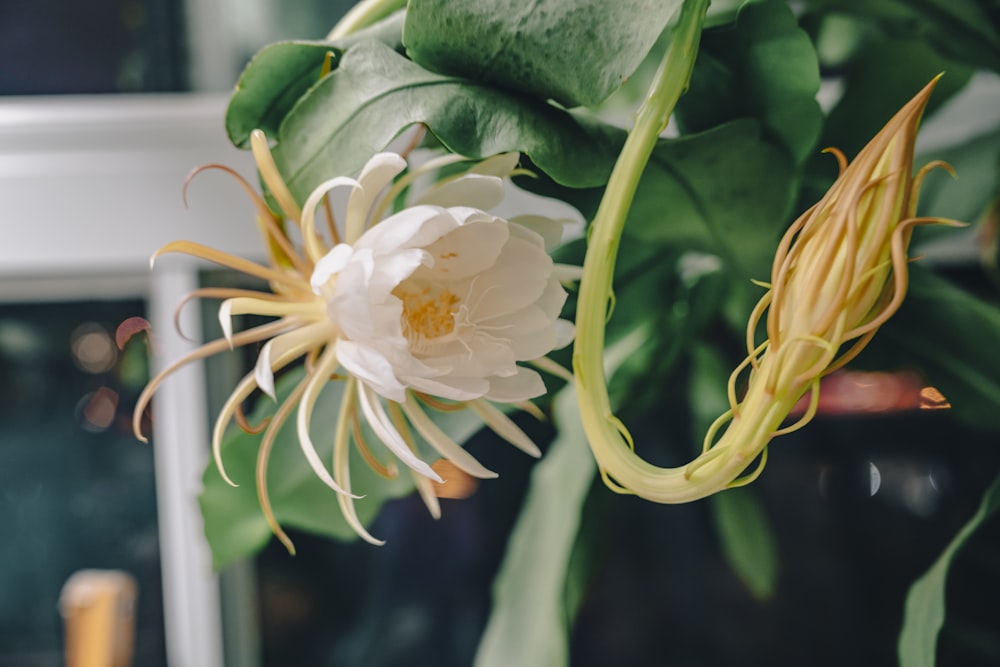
(600, 424)
(363, 15)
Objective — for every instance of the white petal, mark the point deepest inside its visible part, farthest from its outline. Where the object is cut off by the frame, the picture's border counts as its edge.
(567, 273)
(379, 421)
(527, 233)
(466, 251)
(452, 388)
(330, 265)
(472, 190)
(524, 385)
(549, 229)
(341, 463)
(553, 298)
(376, 174)
(425, 488)
(350, 307)
(392, 269)
(565, 332)
(414, 227)
(281, 350)
(478, 356)
(317, 380)
(500, 165)
(467, 215)
(518, 279)
(534, 345)
(504, 427)
(371, 368)
(311, 240)
(440, 441)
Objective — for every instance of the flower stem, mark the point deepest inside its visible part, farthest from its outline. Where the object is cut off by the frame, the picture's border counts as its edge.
(600, 424)
(363, 15)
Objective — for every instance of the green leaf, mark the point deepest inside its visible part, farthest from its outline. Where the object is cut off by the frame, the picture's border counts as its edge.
(747, 540)
(572, 51)
(375, 93)
(925, 604)
(960, 29)
(528, 624)
(727, 191)
(281, 73)
(234, 524)
(763, 67)
(689, 288)
(951, 335)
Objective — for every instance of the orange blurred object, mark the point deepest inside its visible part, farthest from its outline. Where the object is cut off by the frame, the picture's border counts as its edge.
(457, 483)
(98, 608)
(850, 392)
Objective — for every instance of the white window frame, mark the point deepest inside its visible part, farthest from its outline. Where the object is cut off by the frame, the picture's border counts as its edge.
(90, 188)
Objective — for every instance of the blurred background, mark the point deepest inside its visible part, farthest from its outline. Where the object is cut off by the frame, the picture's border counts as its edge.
(104, 108)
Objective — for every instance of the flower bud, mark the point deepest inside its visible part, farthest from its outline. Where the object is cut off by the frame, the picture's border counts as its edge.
(839, 273)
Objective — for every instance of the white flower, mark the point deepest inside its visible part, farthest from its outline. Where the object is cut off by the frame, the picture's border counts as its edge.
(440, 300)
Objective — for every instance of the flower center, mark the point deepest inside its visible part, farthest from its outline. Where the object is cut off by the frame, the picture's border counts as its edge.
(427, 312)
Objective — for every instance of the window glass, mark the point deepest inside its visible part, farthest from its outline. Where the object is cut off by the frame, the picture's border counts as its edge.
(76, 489)
(101, 46)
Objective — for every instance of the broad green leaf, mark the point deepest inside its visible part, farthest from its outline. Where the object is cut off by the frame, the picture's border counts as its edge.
(726, 191)
(960, 29)
(951, 335)
(576, 52)
(762, 67)
(925, 604)
(528, 624)
(375, 93)
(234, 524)
(281, 73)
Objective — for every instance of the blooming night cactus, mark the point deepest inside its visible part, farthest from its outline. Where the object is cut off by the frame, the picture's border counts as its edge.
(440, 300)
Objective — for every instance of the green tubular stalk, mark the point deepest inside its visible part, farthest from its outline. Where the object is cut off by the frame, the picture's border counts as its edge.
(606, 439)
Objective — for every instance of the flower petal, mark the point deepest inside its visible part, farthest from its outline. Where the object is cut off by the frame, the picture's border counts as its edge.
(318, 378)
(524, 385)
(329, 265)
(473, 190)
(371, 367)
(450, 387)
(341, 462)
(287, 347)
(465, 251)
(501, 164)
(377, 418)
(414, 227)
(549, 229)
(440, 441)
(376, 174)
(310, 239)
(504, 427)
(518, 278)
